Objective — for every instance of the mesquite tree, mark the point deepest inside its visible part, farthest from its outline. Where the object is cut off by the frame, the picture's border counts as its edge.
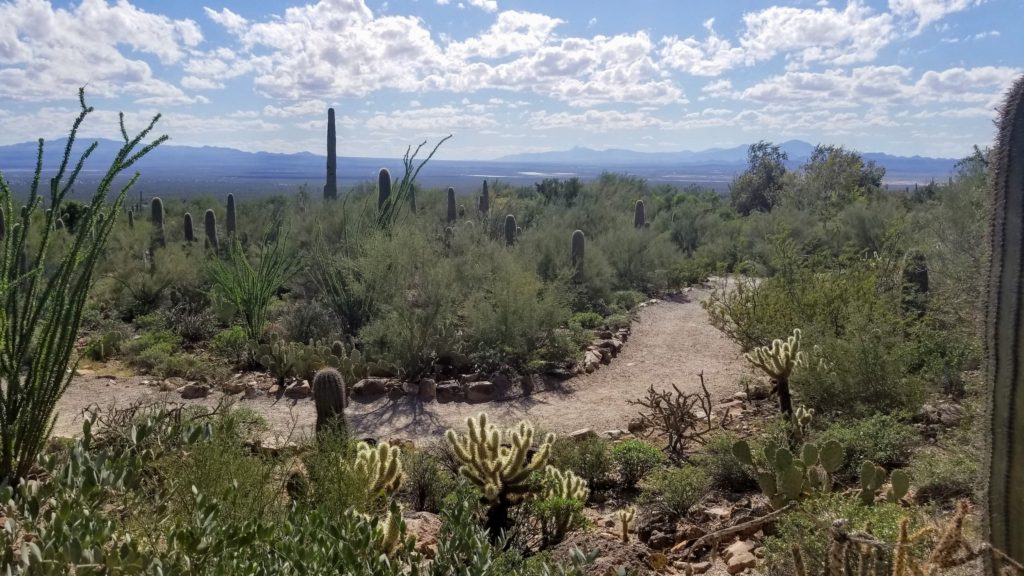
(43, 301)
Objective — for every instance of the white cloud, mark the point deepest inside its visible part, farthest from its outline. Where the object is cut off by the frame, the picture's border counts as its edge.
(442, 118)
(488, 5)
(512, 33)
(594, 120)
(303, 108)
(924, 12)
(226, 18)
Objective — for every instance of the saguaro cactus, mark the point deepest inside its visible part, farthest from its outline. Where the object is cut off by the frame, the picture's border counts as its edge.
(510, 230)
(156, 213)
(452, 213)
(331, 187)
(579, 246)
(383, 187)
(1005, 458)
(210, 223)
(3, 224)
(639, 214)
(190, 235)
(485, 200)
(329, 398)
(131, 220)
(231, 215)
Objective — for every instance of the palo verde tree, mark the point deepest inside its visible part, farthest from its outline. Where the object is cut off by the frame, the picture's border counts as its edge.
(760, 186)
(44, 295)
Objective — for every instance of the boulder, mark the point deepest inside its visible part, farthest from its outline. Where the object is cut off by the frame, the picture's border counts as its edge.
(192, 391)
(449, 391)
(250, 392)
(233, 387)
(411, 388)
(603, 334)
(560, 373)
(467, 378)
(500, 380)
(740, 562)
(660, 540)
(369, 389)
(636, 426)
(428, 389)
(298, 390)
(583, 434)
(424, 527)
(482, 391)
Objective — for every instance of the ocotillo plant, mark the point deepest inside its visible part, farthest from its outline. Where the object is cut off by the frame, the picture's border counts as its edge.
(210, 223)
(45, 287)
(156, 214)
(578, 249)
(383, 187)
(452, 213)
(485, 200)
(1005, 458)
(230, 219)
(510, 230)
(331, 187)
(639, 214)
(190, 235)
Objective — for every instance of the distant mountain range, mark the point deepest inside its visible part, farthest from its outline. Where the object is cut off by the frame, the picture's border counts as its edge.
(174, 169)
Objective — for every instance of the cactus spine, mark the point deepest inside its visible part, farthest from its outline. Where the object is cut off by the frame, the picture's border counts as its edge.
(381, 467)
(329, 398)
(510, 230)
(383, 187)
(230, 220)
(131, 220)
(778, 361)
(579, 246)
(452, 213)
(485, 200)
(639, 214)
(190, 235)
(1005, 374)
(331, 187)
(156, 213)
(210, 223)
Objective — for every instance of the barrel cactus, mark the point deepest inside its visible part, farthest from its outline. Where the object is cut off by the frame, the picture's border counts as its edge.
(230, 220)
(210, 223)
(331, 187)
(1005, 458)
(383, 187)
(452, 213)
(510, 230)
(156, 214)
(579, 245)
(190, 235)
(329, 398)
(639, 214)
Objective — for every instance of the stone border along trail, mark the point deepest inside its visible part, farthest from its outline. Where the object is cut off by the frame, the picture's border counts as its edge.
(672, 342)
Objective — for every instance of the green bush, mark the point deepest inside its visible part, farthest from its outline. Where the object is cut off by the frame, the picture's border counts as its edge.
(588, 458)
(724, 471)
(232, 344)
(942, 475)
(589, 320)
(628, 299)
(635, 459)
(426, 482)
(883, 439)
(557, 517)
(674, 491)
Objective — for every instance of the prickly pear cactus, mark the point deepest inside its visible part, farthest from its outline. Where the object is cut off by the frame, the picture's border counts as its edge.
(784, 477)
(1005, 457)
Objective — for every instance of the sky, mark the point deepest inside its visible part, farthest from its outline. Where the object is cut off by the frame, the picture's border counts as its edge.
(504, 76)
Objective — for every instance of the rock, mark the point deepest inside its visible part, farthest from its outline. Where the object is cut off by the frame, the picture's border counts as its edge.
(740, 562)
(660, 541)
(739, 547)
(428, 389)
(617, 344)
(273, 390)
(615, 434)
(604, 344)
(718, 513)
(369, 389)
(232, 387)
(250, 392)
(482, 391)
(424, 527)
(560, 373)
(528, 383)
(759, 391)
(467, 378)
(649, 520)
(583, 434)
(700, 567)
(606, 356)
(192, 391)
(689, 532)
(411, 388)
(298, 390)
(175, 382)
(741, 396)
(603, 334)
(501, 381)
(395, 391)
(85, 372)
(636, 426)
(622, 335)
(449, 391)
(731, 405)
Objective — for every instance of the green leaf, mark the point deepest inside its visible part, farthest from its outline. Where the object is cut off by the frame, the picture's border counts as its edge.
(741, 450)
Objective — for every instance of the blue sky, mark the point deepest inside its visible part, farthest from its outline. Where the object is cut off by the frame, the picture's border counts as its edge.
(899, 76)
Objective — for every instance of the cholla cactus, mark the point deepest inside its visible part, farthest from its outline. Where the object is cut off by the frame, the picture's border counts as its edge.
(802, 419)
(564, 484)
(500, 471)
(380, 466)
(778, 361)
(626, 516)
(281, 359)
(230, 220)
(190, 235)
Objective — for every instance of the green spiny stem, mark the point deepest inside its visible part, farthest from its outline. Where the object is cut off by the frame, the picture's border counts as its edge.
(331, 187)
(485, 200)
(1005, 458)
(190, 235)
(230, 219)
(210, 224)
(156, 214)
(383, 187)
(452, 213)
(510, 230)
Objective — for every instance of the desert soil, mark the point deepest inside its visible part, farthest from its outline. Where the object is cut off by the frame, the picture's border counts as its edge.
(671, 343)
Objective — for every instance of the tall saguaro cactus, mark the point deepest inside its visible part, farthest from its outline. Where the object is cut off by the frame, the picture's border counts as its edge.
(510, 230)
(190, 235)
(210, 224)
(485, 200)
(579, 246)
(452, 213)
(156, 211)
(383, 187)
(639, 214)
(230, 220)
(1005, 458)
(331, 187)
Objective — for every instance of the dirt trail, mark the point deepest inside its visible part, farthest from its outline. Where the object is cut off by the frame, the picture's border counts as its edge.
(671, 343)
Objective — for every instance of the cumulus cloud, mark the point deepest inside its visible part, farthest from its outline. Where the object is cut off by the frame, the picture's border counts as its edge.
(925, 12)
(441, 118)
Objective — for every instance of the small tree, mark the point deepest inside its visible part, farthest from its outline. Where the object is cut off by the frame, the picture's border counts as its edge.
(760, 186)
(43, 301)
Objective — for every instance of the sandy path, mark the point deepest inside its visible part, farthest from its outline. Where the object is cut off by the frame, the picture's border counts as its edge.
(671, 343)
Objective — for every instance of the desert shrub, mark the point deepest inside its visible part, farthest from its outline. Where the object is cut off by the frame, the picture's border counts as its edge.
(306, 320)
(724, 471)
(332, 485)
(557, 516)
(674, 491)
(883, 439)
(190, 321)
(588, 320)
(628, 299)
(232, 344)
(150, 349)
(809, 530)
(616, 321)
(943, 474)
(427, 482)
(106, 344)
(587, 457)
(635, 459)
